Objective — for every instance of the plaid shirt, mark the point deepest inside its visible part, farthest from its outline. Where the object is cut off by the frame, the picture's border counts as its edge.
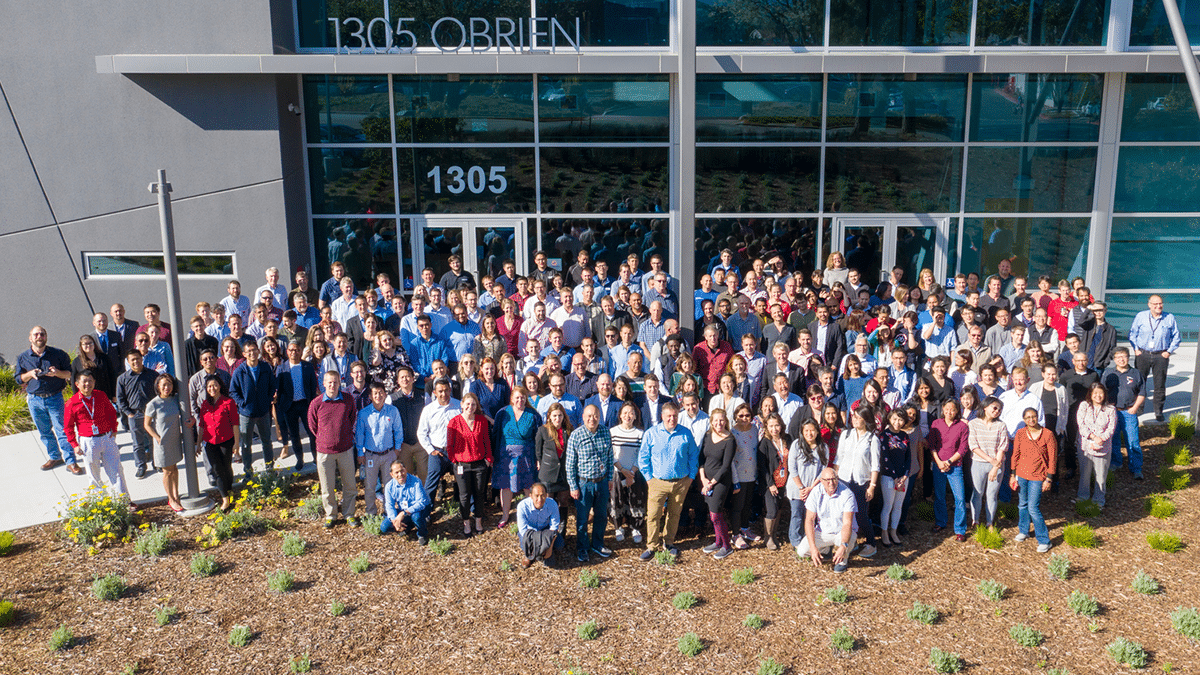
(589, 455)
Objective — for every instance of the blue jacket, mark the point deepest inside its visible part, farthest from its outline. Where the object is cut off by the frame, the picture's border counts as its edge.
(613, 416)
(253, 395)
(424, 352)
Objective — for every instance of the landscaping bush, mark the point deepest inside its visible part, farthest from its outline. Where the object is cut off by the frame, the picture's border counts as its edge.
(1079, 535)
(6, 542)
(337, 608)
(61, 638)
(151, 540)
(944, 662)
(1178, 455)
(225, 526)
(770, 666)
(922, 613)
(743, 576)
(589, 630)
(589, 579)
(267, 489)
(239, 636)
(108, 587)
(1164, 541)
(1145, 584)
(1127, 652)
(1173, 480)
(989, 537)
(293, 544)
(1160, 506)
(1086, 508)
(841, 640)
(96, 519)
(664, 558)
(684, 600)
(8, 613)
(898, 572)
(1186, 622)
(441, 546)
(1059, 567)
(203, 565)
(281, 581)
(164, 614)
(371, 525)
(300, 664)
(309, 508)
(1025, 635)
(992, 590)
(753, 621)
(690, 644)
(1182, 427)
(360, 563)
(837, 594)
(1083, 604)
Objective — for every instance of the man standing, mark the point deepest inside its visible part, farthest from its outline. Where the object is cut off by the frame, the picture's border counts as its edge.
(431, 432)
(278, 292)
(331, 417)
(589, 466)
(378, 433)
(252, 387)
(331, 289)
(1126, 391)
(410, 405)
(91, 424)
(830, 522)
(109, 341)
(45, 371)
(939, 336)
(574, 321)
(828, 339)
(135, 388)
(236, 303)
(460, 334)
(303, 288)
(126, 328)
(558, 394)
(668, 458)
(151, 313)
(1098, 338)
(196, 344)
(1155, 337)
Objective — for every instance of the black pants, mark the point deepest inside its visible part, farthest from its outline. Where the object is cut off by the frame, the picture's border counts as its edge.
(474, 480)
(220, 461)
(295, 415)
(741, 507)
(866, 531)
(1154, 361)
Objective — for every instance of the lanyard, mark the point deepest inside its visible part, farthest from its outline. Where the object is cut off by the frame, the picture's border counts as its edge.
(91, 410)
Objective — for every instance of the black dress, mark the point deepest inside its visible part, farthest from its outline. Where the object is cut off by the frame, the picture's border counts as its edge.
(102, 372)
(717, 457)
(552, 469)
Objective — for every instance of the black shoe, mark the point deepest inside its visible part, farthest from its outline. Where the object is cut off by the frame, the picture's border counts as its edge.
(1158, 417)
(141, 472)
(673, 551)
(646, 556)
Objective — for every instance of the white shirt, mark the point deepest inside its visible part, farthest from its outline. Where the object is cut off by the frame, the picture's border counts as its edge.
(788, 407)
(857, 456)
(831, 510)
(343, 310)
(698, 425)
(435, 419)
(278, 294)
(240, 306)
(574, 324)
(1013, 413)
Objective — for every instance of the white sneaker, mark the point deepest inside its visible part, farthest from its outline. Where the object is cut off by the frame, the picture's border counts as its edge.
(619, 535)
(1021, 537)
(866, 551)
(637, 537)
(1043, 548)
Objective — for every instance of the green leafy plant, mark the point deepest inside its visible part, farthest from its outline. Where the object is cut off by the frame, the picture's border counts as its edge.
(1164, 541)
(293, 544)
(1083, 604)
(664, 558)
(6, 542)
(239, 636)
(225, 526)
(1173, 480)
(1058, 671)
(589, 579)
(267, 488)
(281, 581)
(360, 563)
(309, 508)
(1178, 455)
(164, 614)
(8, 613)
(1186, 622)
(898, 572)
(1160, 506)
(61, 638)
(1086, 508)
(371, 525)
(924, 511)
(743, 576)
(588, 630)
(769, 666)
(441, 546)
(300, 663)
(1059, 567)
(684, 600)
(922, 613)
(203, 565)
(1182, 427)
(1025, 635)
(512, 527)
(753, 621)
(1127, 652)
(989, 537)
(337, 608)
(992, 590)
(152, 540)
(1145, 584)
(837, 594)
(96, 519)
(841, 640)
(945, 662)
(690, 644)
(108, 587)
(131, 669)
(1080, 535)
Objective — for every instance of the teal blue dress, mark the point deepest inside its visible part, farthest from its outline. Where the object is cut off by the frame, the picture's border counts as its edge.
(515, 465)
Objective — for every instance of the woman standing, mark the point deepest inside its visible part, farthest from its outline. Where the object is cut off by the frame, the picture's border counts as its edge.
(939, 381)
(515, 431)
(773, 452)
(987, 439)
(488, 344)
(858, 467)
(853, 380)
(630, 489)
(831, 430)
(465, 375)
(469, 449)
(386, 360)
(551, 443)
(685, 369)
(1097, 423)
(90, 360)
(231, 356)
(947, 443)
(218, 417)
(742, 384)
(533, 385)
(894, 462)
(987, 385)
(372, 329)
(745, 477)
(163, 423)
(807, 458)
(491, 392)
(508, 326)
(725, 398)
(507, 367)
(1034, 457)
(928, 285)
(835, 269)
(962, 376)
(716, 479)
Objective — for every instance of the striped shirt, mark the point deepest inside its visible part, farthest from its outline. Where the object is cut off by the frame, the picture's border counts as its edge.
(626, 443)
(986, 437)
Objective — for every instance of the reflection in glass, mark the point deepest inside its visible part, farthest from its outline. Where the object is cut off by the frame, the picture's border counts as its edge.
(367, 246)
(603, 109)
(471, 179)
(1056, 247)
(758, 108)
(1165, 251)
(793, 239)
(863, 248)
(757, 23)
(346, 109)
(605, 180)
(611, 23)
(1036, 107)
(757, 180)
(1030, 179)
(1048, 23)
(896, 107)
(110, 265)
(1156, 179)
(427, 12)
(1148, 26)
(469, 108)
(909, 23)
(952, 262)
(493, 245)
(1158, 108)
(915, 249)
(438, 244)
(317, 32)
(612, 240)
(351, 180)
(896, 179)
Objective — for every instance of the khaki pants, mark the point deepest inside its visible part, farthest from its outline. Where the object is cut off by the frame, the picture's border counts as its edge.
(673, 493)
(415, 459)
(329, 468)
(377, 471)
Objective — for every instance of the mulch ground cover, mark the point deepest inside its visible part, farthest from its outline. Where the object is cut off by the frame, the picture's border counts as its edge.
(476, 610)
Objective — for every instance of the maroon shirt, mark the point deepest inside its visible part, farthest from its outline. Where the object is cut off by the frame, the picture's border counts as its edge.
(332, 422)
(945, 440)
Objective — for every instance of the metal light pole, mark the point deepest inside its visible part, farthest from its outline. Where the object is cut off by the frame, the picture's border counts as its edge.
(194, 502)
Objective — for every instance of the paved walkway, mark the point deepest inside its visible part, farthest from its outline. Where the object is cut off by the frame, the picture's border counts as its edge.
(29, 496)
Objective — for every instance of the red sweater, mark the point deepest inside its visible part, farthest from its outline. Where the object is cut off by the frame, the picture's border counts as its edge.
(76, 414)
(467, 444)
(332, 423)
(217, 420)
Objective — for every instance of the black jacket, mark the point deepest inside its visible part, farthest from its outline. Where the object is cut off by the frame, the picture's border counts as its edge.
(285, 392)
(552, 469)
(835, 343)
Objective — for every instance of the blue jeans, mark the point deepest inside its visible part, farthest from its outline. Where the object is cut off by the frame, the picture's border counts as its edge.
(796, 526)
(593, 498)
(420, 519)
(1031, 508)
(47, 414)
(438, 467)
(1127, 423)
(955, 479)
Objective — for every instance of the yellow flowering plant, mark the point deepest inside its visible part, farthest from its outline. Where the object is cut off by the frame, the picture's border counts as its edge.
(96, 519)
(267, 489)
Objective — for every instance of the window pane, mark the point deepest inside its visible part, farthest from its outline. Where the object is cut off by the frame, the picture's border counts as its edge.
(114, 264)
(878, 22)
(1158, 108)
(612, 240)
(1165, 251)
(471, 180)
(896, 107)
(1030, 179)
(892, 180)
(611, 23)
(603, 109)
(367, 246)
(757, 23)
(449, 35)
(605, 180)
(757, 180)
(1049, 23)
(1158, 179)
(351, 180)
(1149, 27)
(758, 108)
(792, 239)
(346, 109)
(317, 32)
(1122, 307)
(1061, 108)
(474, 109)
(1056, 247)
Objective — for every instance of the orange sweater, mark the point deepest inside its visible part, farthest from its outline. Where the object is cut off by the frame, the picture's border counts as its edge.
(1034, 459)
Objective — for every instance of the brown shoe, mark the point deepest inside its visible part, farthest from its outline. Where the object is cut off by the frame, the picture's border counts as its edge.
(52, 463)
(75, 469)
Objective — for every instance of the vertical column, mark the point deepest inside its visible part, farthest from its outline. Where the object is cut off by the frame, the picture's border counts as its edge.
(1106, 175)
(684, 166)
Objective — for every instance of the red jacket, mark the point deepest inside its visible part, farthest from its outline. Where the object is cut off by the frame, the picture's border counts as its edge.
(76, 414)
(217, 420)
(466, 444)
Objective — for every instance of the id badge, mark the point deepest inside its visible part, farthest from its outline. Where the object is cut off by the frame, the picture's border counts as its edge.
(370, 464)
(95, 430)
(459, 469)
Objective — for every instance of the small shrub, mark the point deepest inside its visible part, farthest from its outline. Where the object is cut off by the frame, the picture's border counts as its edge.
(203, 565)
(989, 537)
(1059, 567)
(8, 613)
(1079, 535)
(108, 587)
(664, 558)
(371, 525)
(1178, 455)
(1186, 622)
(337, 608)
(267, 488)
(164, 614)
(1173, 480)
(753, 621)
(684, 600)
(690, 644)
(944, 662)
(301, 663)
(309, 508)
(743, 576)
(1145, 584)
(898, 572)
(1086, 508)
(6, 542)
(770, 666)
(837, 594)
(512, 527)
(1083, 604)
(225, 526)
(152, 540)
(1182, 427)
(61, 638)
(1164, 541)
(1025, 635)
(992, 590)
(360, 563)
(293, 544)
(281, 581)
(841, 640)
(96, 519)
(589, 630)
(1160, 506)
(924, 511)
(589, 579)
(505, 566)
(1127, 652)
(922, 613)
(1058, 671)
(240, 636)
(441, 546)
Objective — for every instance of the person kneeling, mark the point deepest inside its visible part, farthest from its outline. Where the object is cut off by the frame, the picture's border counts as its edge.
(830, 522)
(406, 505)
(537, 525)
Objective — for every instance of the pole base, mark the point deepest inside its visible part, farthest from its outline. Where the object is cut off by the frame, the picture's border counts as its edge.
(196, 506)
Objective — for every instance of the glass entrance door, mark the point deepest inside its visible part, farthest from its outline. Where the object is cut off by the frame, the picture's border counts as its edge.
(482, 243)
(874, 246)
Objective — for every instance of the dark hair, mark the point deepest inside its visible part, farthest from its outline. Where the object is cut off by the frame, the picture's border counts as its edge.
(811, 452)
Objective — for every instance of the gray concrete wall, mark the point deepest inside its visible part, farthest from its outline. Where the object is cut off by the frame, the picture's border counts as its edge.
(79, 148)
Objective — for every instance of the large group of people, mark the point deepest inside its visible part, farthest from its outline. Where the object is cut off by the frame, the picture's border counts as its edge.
(812, 412)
